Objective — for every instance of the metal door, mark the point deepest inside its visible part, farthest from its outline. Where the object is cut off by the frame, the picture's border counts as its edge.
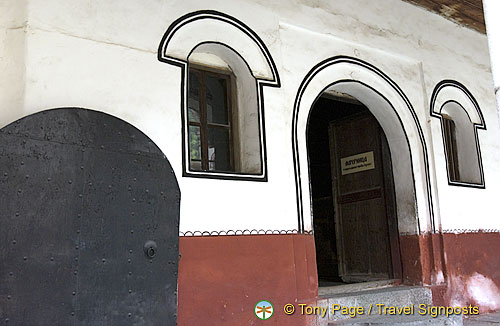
(89, 223)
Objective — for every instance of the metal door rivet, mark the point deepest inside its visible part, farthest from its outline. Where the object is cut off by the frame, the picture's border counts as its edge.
(51, 258)
(72, 313)
(103, 260)
(129, 273)
(74, 293)
(25, 258)
(129, 291)
(14, 242)
(11, 273)
(8, 297)
(17, 213)
(129, 314)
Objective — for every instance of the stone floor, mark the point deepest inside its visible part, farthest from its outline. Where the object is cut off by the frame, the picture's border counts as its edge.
(483, 320)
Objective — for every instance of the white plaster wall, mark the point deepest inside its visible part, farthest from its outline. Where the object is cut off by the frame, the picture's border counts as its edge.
(491, 12)
(101, 54)
(13, 18)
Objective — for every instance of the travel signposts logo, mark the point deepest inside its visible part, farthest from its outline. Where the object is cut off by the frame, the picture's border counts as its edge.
(264, 309)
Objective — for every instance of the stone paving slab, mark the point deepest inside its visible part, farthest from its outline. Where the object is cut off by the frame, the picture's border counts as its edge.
(483, 320)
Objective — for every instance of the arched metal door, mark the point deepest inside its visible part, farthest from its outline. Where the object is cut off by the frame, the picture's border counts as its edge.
(89, 223)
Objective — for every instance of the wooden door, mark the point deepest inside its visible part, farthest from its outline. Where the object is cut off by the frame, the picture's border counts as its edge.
(363, 195)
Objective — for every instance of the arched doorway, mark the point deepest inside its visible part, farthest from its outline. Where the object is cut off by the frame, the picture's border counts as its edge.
(352, 193)
(413, 181)
(89, 222)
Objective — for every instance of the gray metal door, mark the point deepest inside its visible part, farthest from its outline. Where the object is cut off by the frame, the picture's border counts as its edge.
(89, 220)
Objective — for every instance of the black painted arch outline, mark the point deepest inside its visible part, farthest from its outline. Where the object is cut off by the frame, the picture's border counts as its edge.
(275, 82)
(436, 113)
(358, 62)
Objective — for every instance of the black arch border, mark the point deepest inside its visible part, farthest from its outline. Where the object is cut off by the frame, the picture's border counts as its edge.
(296, 161)
(437, 89)
(275, 82)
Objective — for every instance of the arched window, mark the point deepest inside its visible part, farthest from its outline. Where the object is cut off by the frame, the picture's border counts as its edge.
(224, 68)
(460, 118)
(222, 112)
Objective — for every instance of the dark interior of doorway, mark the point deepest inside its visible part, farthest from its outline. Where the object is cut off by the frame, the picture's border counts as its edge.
(325, 110)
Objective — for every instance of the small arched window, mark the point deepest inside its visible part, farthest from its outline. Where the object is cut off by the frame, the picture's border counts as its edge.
(460, 146)
(226, 65)
(223, 124)
(460, 118)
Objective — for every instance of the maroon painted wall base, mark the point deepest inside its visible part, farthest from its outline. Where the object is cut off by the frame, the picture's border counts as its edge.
(221, 278)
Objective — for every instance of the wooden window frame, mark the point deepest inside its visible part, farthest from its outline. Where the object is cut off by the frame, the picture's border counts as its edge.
(450, 143)
(204, 125)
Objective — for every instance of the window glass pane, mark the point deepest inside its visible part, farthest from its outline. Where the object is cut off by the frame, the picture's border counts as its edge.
(194, 148)
(216, 89)
(218, 149)
(194, 97)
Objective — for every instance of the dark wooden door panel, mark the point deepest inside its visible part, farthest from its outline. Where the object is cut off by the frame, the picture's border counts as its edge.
(365, 239)
(362, 206)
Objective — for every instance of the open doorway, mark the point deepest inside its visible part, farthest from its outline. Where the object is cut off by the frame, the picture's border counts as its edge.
(352, 190)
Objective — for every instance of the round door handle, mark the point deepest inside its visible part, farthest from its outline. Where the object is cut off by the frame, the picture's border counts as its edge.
(150, 249)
